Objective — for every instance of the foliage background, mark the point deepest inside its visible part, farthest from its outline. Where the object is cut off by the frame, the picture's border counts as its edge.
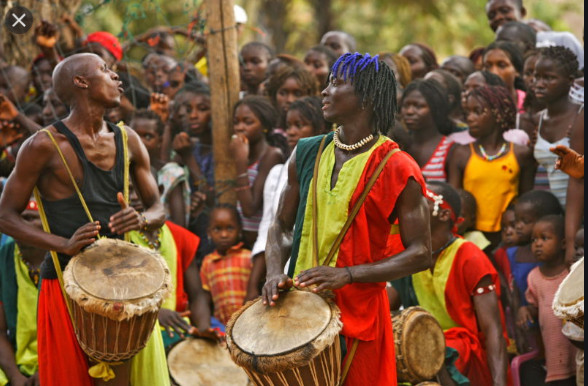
(449, 26)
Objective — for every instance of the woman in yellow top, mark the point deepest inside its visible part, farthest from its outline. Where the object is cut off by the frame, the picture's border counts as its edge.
(494, 170)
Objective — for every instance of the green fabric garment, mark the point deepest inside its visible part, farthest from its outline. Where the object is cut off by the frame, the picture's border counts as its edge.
(169, 253)
(430, 287)
(149, 366)
(26, 320)
(18, 292)
(333, 204)
(306, 151)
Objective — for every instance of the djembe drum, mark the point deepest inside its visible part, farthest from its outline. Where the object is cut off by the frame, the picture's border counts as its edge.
(419, 344)
(292, 343)
(202, 362)
(115, 290)
(568, 302)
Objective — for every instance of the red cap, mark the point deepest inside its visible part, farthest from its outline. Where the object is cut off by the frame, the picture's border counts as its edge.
(108, 41)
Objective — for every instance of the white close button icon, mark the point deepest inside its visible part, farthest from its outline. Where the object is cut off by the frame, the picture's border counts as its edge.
(19, 20)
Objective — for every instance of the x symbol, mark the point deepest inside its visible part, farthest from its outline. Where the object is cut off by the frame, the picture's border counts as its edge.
(18, 20)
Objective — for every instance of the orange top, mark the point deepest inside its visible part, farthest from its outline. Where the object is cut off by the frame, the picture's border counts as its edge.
(494, 184)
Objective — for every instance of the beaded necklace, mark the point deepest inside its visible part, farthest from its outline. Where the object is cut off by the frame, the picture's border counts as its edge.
(34, 273)
(156, 243)
(354, 146)
(492, 157)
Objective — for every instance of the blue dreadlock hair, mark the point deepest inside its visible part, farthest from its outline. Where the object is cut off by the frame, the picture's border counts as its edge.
(374, 84)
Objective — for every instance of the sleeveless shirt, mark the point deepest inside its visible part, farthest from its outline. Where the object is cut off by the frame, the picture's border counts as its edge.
(494, 184)
(558, 180)
(99, 189)
(434, 169)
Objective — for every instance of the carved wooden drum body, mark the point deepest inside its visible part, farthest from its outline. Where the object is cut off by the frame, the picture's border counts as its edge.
(116, 289)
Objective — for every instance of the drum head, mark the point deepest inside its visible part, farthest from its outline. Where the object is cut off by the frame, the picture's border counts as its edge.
(572, 287)
(113, 270)
(423, 342)
(298, 318)
(195, 362)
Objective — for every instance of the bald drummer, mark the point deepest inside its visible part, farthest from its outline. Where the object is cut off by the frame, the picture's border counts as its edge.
(93, 150)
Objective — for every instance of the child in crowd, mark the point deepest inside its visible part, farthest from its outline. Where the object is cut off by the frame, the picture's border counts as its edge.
(508, 240)
(255, 151)
(319, 60)
(548, 247)
(171, 177)
(421, 57)
(467, 228)
(554, 74)
(254, 59)
(304, 119)
(489, 112)
(506, 60)
(424, 111)
(579, 244)
(225, 272)
(288, 84)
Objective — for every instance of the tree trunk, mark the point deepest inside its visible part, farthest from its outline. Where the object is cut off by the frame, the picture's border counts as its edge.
(20, 49)
(223, 71)
(323, 15)
(273, 18)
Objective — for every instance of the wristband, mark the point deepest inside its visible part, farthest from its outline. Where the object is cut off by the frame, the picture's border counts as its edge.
(350, 275)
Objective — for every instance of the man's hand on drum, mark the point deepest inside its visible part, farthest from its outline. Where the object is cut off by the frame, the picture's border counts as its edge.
(84, 236)
(209, 333)
(173, 321)
(272, 286)
(323, 278)
(127, 219)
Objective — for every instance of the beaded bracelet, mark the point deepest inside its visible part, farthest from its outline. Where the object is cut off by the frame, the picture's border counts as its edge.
(241, 188)
(145, 222)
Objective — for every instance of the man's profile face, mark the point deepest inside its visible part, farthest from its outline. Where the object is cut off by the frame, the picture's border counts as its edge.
(103, 84)
(499, 12)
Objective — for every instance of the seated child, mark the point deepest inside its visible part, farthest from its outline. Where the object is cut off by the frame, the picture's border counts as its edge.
(548, 247)
(467, 228)
(225, 272)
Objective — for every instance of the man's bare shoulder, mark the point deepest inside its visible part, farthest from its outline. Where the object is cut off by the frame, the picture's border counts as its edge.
(40, 143)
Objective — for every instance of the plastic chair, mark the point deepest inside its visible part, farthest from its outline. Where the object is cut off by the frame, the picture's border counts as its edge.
(516, 363)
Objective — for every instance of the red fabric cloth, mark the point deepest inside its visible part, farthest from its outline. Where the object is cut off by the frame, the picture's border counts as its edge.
(108, 41)
(61, 359)
(365, 310)
(501, 258)
(186, 244)
(469, 267)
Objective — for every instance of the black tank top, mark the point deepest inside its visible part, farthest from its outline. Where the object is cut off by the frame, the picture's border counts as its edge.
(99, 189)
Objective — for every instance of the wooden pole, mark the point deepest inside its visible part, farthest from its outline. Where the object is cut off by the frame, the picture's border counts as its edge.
(223, 74)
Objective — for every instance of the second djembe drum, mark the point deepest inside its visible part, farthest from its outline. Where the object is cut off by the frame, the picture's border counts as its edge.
(292, 343)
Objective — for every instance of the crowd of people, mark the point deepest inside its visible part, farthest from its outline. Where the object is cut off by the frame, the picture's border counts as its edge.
(474, 211)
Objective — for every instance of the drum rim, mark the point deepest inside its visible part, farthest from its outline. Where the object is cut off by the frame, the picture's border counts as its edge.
(289, 351)
(76, 259)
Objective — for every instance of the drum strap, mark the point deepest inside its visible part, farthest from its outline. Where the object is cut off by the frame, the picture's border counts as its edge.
(348, 361)
(353, 212)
